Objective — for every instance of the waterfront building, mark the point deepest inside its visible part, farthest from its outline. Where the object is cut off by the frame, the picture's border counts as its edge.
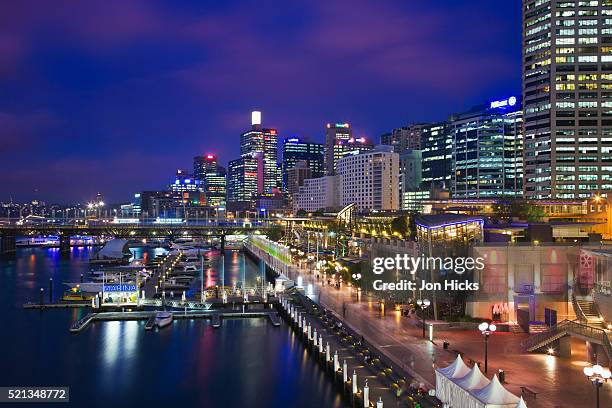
(262, 144)
(436, 147)
(296, 150)
(403, 138)
(567, 94)
(317, 194)
(296, 176)
(487, 150)
(370, 180)
(242, 182)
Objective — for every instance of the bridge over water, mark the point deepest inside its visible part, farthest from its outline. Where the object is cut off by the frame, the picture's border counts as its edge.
(65, 229)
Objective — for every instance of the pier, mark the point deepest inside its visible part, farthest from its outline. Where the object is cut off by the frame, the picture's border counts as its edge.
(216, 317)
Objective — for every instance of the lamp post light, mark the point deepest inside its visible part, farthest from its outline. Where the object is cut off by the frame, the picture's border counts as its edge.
(423, 304)
(486, 329)
(598, 375)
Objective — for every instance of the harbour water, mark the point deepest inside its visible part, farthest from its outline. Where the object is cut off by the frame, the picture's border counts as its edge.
(246, 363)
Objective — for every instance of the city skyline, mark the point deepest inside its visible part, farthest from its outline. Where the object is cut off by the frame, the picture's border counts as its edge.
(98, 99)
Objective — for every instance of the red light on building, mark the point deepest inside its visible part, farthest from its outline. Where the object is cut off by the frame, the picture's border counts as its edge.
(272, 131)
(210, 156)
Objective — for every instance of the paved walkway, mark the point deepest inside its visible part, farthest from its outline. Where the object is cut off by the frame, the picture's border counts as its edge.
(558, 382)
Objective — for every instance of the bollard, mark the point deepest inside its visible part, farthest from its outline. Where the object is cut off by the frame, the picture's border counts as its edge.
(50, 290)
(143, 295)
(354, 382)
(315, 337)
(42, 296)
(81, 278)
(320, 344)
(344, 373)
(366, 395)
(309, 331)
(379, 404)
(327, 353)
(336, 362)
(299, 321)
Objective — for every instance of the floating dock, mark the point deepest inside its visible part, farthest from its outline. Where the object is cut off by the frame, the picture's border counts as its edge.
(216, 317)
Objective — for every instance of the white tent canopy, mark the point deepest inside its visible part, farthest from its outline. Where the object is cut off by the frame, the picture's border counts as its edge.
(521, 404)
(460, 387)
(474, 380)
(495, 395)
(444, 384)
(456, 369)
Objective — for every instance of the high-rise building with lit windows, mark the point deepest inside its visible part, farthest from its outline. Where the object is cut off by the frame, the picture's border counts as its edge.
(211, 179)
(296, 150)
(262, 144)
(487, 150)
(567, 96)
(436, 150)
(242, 177)
(339, 142)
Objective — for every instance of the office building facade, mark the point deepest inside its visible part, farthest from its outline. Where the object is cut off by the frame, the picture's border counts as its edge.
(242, 178)
(295, 150)
(370, 179)
(567, 96)
(317, 194)
(487, 151)
(403, 138)
(212, 179)
(295, 178)
(436, 149)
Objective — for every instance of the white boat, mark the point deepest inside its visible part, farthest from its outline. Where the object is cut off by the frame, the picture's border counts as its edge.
(163, 319)
(190, 268)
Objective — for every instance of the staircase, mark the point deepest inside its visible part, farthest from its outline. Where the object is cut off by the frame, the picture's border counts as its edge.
(570, 328)
(587, 312)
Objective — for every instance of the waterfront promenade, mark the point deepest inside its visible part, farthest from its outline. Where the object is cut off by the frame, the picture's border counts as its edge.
(558, 382)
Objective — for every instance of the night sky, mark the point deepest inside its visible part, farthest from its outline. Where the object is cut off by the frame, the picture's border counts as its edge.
(114, 96)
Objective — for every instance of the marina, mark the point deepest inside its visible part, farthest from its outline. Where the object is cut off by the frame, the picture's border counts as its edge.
(109, 357)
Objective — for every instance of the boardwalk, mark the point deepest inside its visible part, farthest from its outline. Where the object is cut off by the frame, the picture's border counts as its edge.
(383, 381)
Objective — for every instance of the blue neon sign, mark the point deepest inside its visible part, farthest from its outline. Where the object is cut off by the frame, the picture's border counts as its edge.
(120, 287)
(504, 103)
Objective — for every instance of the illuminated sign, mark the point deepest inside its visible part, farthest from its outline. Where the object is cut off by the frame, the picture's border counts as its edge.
(121, 287)
(342, 125)
(503, 103)
(210, 156)
(293, 140)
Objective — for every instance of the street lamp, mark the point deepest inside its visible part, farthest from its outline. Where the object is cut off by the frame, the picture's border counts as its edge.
(486, 329)
(423, 304)
(598, 375)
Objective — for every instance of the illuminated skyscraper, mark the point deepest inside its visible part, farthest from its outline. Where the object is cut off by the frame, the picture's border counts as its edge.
(487, 150)
(211, 178)
(296, 150)
(262, 144)
(567, 96)
(339, 142)
(242, 178)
